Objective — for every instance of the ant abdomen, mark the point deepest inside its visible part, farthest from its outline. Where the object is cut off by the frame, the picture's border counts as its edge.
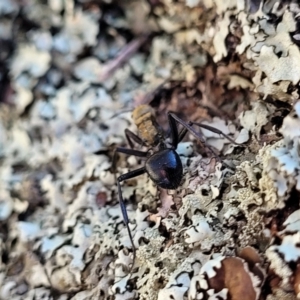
(144, 118)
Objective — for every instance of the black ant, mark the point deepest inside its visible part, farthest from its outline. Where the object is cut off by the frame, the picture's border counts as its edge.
(163, 164)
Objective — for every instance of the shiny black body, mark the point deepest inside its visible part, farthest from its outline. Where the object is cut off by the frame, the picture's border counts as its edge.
(163, 164)
(165, 168)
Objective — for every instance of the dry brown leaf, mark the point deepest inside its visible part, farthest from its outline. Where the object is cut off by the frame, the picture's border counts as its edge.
(297, 281)
(250, 255)
(235, 278)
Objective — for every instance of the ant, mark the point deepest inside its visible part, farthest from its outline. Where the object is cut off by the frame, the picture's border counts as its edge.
(163, 164)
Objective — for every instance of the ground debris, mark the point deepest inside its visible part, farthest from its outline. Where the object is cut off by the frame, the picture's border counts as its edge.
(70, 76)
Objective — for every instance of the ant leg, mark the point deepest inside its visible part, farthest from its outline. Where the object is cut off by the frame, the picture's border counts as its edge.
(131, 152)
(182, 134)
(102, 152)
(130, 136)
(215, 130)
(173, 119)
(175, 136)
(126, 151)
(121, 178)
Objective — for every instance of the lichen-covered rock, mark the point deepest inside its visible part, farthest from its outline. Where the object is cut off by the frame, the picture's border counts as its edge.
(70, 75)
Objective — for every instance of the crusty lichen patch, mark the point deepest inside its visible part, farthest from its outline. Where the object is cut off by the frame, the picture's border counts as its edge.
(70, 75)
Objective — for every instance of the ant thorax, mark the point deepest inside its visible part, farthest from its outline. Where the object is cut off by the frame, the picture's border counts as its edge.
(166, 143)
(161, 144)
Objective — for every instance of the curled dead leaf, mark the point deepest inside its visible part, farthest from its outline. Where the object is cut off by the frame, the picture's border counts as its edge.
(235, 276)
(297, 281)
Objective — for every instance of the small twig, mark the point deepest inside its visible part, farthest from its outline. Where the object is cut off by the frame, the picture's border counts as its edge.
(124, 55)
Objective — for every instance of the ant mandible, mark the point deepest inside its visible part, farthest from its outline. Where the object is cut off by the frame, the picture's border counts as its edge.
(163, 164)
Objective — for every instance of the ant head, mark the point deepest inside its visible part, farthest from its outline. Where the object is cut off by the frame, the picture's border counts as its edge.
(165, 168)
